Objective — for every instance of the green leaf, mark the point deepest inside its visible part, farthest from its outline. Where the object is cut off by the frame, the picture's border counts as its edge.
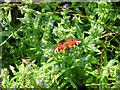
(63, 84)
(15, 36)
(90, 80)
(37, 20)
(5, 33)
(48, 65)
(22, 69)
(72, 83)
(23, 20)
(56, 17)
(77, 9)
(54, 7)
(105, 59)
(104, 74)
(32, 48)
(74, 3)
(63, 71)
(110, 63)
(12, 69)
(93, 49)
(93, 60)
(79, 19)
(79, 31)
(58, 3)
(1, 57)
(59, 80)
(9, 16)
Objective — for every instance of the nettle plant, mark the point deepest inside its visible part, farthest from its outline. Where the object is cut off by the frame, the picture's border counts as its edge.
(30, 36)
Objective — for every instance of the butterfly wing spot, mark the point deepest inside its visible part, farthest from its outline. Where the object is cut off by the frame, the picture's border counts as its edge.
(56, 50)
(72, 39)
(78, 42)
(59, 44)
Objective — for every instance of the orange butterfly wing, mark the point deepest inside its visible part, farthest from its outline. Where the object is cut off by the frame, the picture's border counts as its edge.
(66, 44)
(59, 46)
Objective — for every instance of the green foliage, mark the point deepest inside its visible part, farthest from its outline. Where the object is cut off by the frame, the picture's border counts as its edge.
(31, 31)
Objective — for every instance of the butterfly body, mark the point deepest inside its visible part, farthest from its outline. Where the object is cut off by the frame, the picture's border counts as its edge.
(66, 44)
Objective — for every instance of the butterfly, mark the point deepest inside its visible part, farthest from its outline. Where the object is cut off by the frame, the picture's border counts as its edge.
(66, 44)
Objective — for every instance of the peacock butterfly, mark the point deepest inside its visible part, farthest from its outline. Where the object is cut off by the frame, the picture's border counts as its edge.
(65, 44)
